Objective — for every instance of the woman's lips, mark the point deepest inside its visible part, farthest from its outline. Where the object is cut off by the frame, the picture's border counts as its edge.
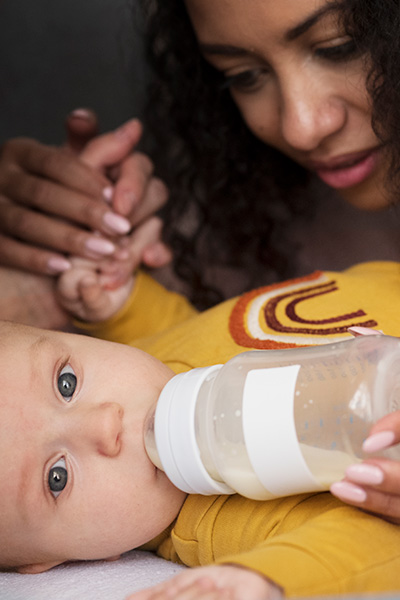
(348, 170)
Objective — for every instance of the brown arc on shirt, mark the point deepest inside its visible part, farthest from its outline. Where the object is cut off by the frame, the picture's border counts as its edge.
(329, 326)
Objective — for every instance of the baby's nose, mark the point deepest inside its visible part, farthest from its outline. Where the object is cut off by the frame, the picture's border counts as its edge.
(103, 428)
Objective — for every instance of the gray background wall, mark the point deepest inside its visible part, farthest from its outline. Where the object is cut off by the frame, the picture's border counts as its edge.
(57, 55)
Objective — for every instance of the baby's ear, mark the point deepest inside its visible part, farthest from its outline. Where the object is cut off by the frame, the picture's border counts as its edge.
(38, 568)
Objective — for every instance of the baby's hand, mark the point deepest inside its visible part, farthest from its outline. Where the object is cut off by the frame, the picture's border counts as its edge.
(86, 293)
(213, 583)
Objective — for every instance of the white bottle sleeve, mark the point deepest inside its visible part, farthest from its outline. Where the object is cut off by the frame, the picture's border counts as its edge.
(270, 433)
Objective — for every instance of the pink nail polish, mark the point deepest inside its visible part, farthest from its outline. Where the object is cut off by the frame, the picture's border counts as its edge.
(116, 223)
(108, 193)
(347, 491)
(57, 264)
(357, 331)
(100, 246)
(378, 441)
(81, 113)
(365, 474)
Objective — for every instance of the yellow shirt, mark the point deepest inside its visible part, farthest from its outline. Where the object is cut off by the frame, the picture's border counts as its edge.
(310, 544)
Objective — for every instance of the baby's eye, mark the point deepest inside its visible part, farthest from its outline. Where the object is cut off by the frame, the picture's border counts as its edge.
(66, 382)
(58, 477)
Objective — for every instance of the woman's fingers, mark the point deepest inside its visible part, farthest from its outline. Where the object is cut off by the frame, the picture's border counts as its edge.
(24, 155)
(52, 202)
(137, 193)
(19, 255)
(53, 199)
(39, 231)
(373, 485)
(81, 126)
(107, 150)
(384, 433)
(134, 176)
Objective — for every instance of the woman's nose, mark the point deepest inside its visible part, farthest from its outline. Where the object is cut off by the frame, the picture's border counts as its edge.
(100, 427)
(310, 115)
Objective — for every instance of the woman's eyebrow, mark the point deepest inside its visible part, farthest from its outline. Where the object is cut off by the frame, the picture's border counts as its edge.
(300, 29)
(292, 34)
(223, 50)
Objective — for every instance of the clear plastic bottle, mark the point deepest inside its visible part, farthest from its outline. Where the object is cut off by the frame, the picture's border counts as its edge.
(272, 423)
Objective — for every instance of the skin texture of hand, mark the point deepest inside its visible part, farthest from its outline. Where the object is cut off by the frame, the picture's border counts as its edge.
(85, 293)
(37, 183)
(213, 583)
(30, 299)
(374, 484)
(52, 202)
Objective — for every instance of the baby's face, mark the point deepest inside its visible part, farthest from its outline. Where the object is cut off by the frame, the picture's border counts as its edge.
(76, 482)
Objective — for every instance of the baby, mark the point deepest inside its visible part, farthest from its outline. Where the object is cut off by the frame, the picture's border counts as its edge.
(77, 483)
(76, 480)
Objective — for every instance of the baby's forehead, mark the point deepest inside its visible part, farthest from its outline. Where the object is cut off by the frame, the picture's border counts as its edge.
(15, 335)
(22, 338)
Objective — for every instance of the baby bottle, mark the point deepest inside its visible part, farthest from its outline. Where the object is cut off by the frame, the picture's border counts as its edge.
(272, 423)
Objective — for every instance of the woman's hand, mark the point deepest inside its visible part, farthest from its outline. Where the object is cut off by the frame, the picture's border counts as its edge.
(137, 194)
(374, 484)
(51, 201)
(213, 583)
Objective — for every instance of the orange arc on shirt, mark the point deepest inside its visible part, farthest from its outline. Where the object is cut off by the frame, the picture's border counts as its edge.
(275, 316)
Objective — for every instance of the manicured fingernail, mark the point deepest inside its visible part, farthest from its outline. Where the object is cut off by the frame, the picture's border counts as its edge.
(365, 474)
(57, 264)
(348, 491)
(81, 113)
(116, 223)
(357, 331)
(378, 441)
(108, 193)
(100, 246)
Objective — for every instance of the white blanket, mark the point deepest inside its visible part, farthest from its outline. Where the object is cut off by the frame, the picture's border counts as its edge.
(90, 581)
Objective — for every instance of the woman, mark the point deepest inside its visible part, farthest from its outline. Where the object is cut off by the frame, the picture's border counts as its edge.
(255, 98)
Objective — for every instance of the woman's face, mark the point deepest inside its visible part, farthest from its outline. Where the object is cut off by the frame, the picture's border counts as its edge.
(300, 86)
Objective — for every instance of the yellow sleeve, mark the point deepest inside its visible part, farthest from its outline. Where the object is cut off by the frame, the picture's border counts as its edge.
(149, 310)
(308, 544)
(331, 554)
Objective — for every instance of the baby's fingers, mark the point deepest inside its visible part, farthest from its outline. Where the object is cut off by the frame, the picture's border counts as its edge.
(145, 245)
(201, 589)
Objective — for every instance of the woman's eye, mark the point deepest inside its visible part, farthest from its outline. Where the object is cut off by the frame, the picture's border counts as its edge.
(58, 477)
(66, 382)
(246, 81)
(342, 52)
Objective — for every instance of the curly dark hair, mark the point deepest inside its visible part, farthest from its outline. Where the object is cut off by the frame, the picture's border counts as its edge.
(232, 196)
(375, 27)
